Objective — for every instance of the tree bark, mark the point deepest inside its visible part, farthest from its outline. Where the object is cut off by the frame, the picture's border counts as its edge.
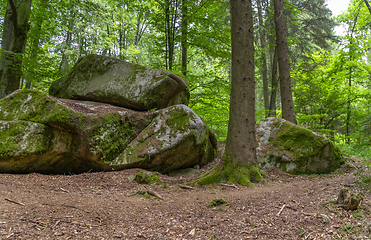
(263, 45)
(18, 13)
(241, 142)
(272, 104)
(288, 111)
(184, 37)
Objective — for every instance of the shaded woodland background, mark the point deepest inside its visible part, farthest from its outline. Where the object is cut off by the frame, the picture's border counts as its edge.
(331, 75)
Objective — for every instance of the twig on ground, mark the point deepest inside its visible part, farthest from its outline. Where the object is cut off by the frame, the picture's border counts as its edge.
(291, 208)
(228, 185)
(64, 190)
(56, 224)
(298, 204)
(153, 193)
(309, 214)
(10, 235)
(150, 192)
(309, 235)
(186, 187)
(19, 203)
(284, 205)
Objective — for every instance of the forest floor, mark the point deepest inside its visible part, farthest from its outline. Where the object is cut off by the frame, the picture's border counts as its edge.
(104, 206)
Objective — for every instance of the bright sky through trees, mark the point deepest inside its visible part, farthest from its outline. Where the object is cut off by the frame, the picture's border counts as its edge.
(337, 7)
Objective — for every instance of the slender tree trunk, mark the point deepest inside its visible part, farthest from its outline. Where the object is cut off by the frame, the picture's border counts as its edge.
(263, 45)
(272, 104)
(63, 67)
(171, 38)
(368, 6)
(184, 37)
(11, 68)
(120, 42)
(241, 142)
(288, 111)
(35, 46)
(349, 103)
(167, 31)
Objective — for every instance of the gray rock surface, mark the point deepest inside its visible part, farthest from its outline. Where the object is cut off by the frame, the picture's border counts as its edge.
(120, 83)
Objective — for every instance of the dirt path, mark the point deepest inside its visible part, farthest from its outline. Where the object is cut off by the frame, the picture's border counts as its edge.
(100, 206)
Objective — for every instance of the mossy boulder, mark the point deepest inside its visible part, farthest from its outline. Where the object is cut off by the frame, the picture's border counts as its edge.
(41, 133)
(120, 83)
(145, 177)
(295, 149)
(174, 135)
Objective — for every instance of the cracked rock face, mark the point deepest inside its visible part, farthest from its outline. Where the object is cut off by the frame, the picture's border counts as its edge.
(42, 133)
(113, 81)
(295, 149)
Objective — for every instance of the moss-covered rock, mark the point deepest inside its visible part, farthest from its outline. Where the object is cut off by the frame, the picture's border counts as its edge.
(145, 177)
(110, 80)
(295, 149)
(174, 135)
(41, 133)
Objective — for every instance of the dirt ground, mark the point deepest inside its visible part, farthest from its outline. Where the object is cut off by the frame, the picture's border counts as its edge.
(104, 206)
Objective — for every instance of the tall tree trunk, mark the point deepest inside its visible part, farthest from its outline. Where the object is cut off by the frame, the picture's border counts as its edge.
(288, 111)
(11, 66)
(263, 45)
(7, 36)
(184, 37)
(241, 142)
(272, 104)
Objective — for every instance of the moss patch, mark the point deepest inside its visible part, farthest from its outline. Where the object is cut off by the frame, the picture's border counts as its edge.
(216, 202)
(230, 172)
(145, 177)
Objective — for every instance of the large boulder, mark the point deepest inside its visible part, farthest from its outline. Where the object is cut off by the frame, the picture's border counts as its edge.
(41, 133)
(295, 149)
(120, 83)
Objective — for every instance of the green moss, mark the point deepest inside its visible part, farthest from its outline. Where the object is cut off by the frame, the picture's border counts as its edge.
(218, 202)
(145, 177)
(178, 119)
(299, 150)
(243, 174)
